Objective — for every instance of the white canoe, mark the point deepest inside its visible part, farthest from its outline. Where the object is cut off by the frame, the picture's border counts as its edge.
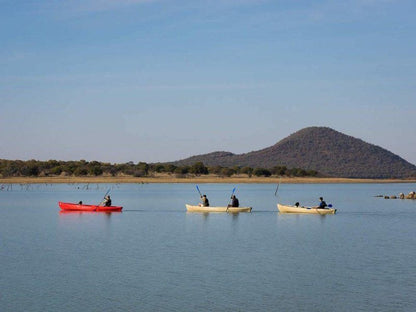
(192, 208)
(300, 209)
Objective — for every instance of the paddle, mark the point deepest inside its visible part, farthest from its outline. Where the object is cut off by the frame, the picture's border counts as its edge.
(104, 197)
(230, 199)
(200, 194)
(329, 206)
(277, 188)
(198, 191)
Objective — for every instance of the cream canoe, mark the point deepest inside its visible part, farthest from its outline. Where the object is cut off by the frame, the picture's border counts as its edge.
(191, 208)
(294, 209)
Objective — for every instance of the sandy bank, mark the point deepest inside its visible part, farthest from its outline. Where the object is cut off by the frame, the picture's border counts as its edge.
(194, 180)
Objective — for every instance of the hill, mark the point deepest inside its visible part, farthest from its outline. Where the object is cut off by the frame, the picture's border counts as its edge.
(318, 148)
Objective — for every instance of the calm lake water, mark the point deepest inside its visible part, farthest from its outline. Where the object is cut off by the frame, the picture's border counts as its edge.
(156, 257)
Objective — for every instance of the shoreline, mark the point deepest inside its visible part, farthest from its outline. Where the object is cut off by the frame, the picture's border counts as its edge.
(197, 179)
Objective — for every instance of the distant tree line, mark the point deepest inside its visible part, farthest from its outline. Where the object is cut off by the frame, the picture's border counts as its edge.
(35, 168)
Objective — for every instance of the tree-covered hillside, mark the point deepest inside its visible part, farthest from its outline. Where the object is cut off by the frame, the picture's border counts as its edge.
(322, 149)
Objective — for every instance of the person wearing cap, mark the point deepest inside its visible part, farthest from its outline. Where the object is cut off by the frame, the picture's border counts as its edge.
(234, 202)
(205, 201)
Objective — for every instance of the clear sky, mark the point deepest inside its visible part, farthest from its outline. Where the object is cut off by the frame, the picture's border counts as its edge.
(161, 80)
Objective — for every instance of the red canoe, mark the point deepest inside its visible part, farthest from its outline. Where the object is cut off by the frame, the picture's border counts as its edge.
(78, 207)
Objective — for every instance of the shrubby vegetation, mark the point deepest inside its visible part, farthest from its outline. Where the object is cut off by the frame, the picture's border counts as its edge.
(35, 168)
(320, 148)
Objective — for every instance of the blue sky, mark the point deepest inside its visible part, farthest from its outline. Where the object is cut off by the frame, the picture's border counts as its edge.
(137, 80)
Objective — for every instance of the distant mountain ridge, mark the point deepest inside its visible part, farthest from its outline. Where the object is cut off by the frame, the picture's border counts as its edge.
(318, 148)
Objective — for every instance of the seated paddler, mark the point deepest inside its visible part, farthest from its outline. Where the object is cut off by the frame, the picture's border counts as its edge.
(204, 201)
(234, 202)
(322, 204)
(107, 201)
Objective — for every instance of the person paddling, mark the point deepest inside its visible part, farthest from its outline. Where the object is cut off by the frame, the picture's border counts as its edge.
(205, 201)
(234, 202)
(322, 204)
(107, 201)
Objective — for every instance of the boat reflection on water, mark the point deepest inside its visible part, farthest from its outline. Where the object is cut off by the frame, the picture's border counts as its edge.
(71, 218)
(75, 212)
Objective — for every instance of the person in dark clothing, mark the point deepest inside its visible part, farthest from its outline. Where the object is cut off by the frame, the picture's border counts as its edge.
(234, 202)
(297, 204)
(205, 201)
(322, 204)
(107, 201)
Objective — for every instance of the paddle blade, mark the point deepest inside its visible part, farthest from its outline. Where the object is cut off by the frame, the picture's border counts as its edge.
(330, 205)
(198, 190)
(107, 192)
(277, 188)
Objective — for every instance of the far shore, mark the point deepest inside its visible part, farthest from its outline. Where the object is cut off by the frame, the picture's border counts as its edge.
(194, 179)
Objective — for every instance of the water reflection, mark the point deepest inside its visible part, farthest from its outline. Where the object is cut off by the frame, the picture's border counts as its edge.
(302, 217)
(75, 216)
(107, 213)
(158, 258)
(235, 216)
(206, 215)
